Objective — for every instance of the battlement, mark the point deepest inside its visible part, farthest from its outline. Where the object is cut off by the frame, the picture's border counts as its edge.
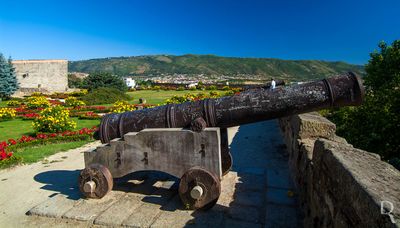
(40, 61)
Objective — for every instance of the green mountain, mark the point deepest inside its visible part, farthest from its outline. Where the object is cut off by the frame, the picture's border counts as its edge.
(265, 68)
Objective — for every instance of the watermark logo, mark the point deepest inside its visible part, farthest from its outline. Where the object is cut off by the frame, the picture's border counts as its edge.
(387, 208)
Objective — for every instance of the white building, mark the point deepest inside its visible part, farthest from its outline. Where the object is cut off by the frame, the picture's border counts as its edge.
(130, 82)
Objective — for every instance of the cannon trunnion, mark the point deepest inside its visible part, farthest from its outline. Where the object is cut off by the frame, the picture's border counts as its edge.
(190, 140)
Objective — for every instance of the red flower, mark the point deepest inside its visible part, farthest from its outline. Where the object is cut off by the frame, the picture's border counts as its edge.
(3, 155)
(3, 144)
(12, 141)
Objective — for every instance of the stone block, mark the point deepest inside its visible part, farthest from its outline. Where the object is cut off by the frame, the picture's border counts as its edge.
(54, 207)
(229, 223)
(146, 214)
(119, 211)
(281, 216)
(251, 183)
(255, 199)
(356, 182)
(245, 213)
(279, 178)
(280, 196)
(312, 125)
(91, 208)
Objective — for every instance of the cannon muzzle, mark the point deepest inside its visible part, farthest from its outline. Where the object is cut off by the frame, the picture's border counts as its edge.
(247, 107)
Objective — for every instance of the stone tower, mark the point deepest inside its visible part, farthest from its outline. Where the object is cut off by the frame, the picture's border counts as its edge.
(44, 76)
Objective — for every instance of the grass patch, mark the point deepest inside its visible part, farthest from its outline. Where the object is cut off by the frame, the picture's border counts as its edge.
(37, 153)
(17, 127)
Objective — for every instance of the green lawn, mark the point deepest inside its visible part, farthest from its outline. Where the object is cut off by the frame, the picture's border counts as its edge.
(37, 153)
(3, 104)
(158, 97)
(17, 127)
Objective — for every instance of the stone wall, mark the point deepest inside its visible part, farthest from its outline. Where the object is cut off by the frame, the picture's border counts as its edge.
(339, 185)
(41, 76)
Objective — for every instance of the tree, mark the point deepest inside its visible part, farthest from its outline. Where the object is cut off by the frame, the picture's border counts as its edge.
(74, 81)
(8, 78)
(374, 125)
(103, 80)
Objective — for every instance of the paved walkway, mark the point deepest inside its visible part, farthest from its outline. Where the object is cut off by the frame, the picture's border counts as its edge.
(256, 193)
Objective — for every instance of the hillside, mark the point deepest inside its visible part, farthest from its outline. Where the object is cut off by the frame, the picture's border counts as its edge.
(155, 65)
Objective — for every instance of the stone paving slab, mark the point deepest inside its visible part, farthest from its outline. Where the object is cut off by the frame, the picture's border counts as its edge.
(120, 210)
(90, 209)
(54, 207)
(280, 196)
(249, 214)
(279, 178)
(230, 223)
(276, 216)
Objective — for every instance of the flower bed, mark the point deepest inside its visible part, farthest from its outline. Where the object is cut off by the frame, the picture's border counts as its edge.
(29, 116)
(89, 116)
(6, 147)
(7, 113)
(35, 102)
(96, 109)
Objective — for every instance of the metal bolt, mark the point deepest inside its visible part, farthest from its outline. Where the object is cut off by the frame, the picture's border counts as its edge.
(89, 186)
(196, 192)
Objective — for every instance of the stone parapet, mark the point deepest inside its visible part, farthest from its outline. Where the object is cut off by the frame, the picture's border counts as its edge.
(339, 185)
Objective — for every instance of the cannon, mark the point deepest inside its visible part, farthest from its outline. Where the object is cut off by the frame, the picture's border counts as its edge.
(190, 141)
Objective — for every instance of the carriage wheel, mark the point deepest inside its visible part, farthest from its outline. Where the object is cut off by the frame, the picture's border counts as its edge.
(226, 162)
(95, 181)
(199, 189)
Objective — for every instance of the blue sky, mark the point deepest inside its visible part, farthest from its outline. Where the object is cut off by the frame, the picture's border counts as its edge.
(287, 29)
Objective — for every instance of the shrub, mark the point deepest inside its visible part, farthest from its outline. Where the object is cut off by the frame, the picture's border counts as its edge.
(79, 93)
(122, 106)
(157, 88)
(214, 94)
(212, 87)
(104, 96)
(37, 94)
(13, 103)
(229, 93)
(53, 119)
(37, 102)
(236, 90)
(190, 97)
(73, 102)
(74, 81)
(180, 88)
(57, 95)
(7, 113)
(226, 88)
(99, 80)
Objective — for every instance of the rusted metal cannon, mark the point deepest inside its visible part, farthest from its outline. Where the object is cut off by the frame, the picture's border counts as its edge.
(189, 140)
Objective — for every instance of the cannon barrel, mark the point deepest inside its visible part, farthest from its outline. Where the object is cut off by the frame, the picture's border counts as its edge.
(246, 107)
